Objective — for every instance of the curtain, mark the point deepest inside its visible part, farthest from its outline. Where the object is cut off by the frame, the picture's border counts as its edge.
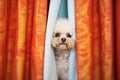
(26, 30)
(97, 34)
(49, 59)
(117, 42)
(22, 37)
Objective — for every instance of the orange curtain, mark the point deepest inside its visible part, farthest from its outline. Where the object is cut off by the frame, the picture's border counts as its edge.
(22, 37)
(117, 48)
(97, 54)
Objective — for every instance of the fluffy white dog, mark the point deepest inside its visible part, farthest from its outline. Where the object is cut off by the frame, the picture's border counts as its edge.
(62, 42)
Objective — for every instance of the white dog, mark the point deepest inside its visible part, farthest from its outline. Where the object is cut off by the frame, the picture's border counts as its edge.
(62, 42)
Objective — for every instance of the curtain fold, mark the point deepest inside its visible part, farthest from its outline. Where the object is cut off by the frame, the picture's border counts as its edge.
(38, 39)
(49, 59)
(3, 40)
(96, 41)
(27, 68)
(117, 29)
(11, 37)
(72, 60)
(106, 27)
(83, 39)
(19, 56)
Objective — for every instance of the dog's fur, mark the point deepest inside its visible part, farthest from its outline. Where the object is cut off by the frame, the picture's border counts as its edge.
(62, 42)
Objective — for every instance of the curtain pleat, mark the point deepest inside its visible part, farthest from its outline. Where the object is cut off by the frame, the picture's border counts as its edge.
(11, 38)
(106, 27)
(49, 59)
(38, 39)
(117, 23)
(83, 39)
(96, 41)
(28, 43)
(19, 56)
(3, 38)
(72, 59)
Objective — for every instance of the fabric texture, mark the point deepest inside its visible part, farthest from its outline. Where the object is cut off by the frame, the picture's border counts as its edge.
(94, 39)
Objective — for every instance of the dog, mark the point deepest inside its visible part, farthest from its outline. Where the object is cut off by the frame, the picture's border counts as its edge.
(62, 43)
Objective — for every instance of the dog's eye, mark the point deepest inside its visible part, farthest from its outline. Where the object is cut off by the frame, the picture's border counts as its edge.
(68, 35)
(57, 35)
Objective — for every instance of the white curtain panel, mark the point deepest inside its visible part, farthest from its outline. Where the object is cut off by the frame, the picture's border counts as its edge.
(72, 61)
(49, 59)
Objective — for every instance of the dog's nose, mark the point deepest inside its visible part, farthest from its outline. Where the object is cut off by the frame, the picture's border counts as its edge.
(63, 39)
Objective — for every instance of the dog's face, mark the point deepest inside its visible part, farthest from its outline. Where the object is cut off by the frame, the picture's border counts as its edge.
(62, 35)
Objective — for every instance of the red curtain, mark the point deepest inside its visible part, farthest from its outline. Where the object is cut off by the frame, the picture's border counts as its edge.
(22, 38)
(97, 39)
(117, 27)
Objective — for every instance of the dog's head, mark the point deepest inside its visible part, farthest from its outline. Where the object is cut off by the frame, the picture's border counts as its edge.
(62, 35)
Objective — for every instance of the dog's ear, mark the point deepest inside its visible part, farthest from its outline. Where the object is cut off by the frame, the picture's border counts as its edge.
(53, 43)
(71, 44)
(53, 46)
